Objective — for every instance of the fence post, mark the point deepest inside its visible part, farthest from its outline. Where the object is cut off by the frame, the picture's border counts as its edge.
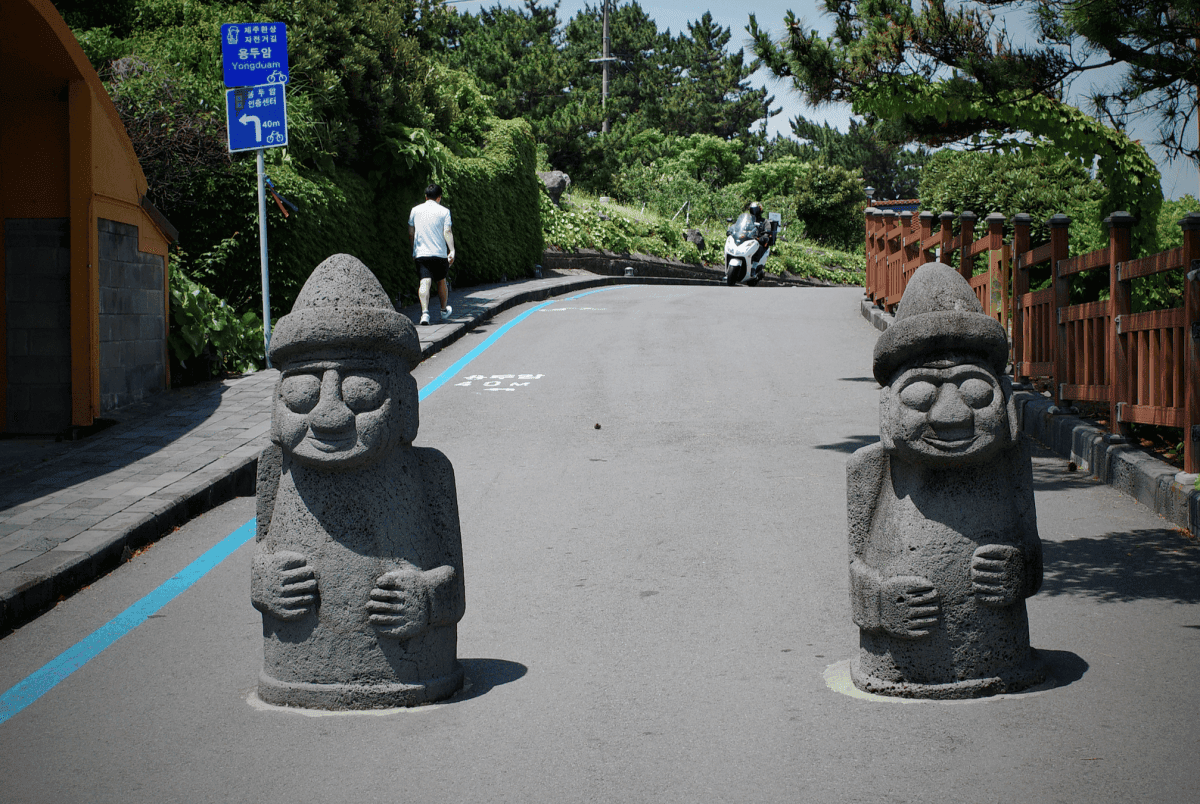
(966, 266)
(1022, 223)
(911, 230)
(1191, 309)
(925, 222)
(880, 287)
(1119, 306)
(997, 281)
(946, 239)
(1060, 249)
(868, 250)
(891, 222)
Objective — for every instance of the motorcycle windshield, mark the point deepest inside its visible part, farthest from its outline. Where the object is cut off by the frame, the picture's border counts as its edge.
(744, 228)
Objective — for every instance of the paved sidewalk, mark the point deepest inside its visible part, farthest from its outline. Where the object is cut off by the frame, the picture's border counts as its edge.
(71, 511)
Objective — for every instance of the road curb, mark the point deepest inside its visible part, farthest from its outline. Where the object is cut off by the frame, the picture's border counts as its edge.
(1123, 466)
(37, 585)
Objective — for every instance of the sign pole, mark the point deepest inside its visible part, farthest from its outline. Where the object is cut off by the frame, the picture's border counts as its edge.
(262, 257)
(254, 60)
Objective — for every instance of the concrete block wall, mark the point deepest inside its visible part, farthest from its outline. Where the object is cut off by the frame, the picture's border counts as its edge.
(133, 324)
(37, 290)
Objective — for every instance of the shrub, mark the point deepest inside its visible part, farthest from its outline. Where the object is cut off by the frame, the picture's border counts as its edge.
(829, 201)
(573, 229)
(207, 336)
(1169, 216)
(800, 259)
(770, 179)
(1042, 184)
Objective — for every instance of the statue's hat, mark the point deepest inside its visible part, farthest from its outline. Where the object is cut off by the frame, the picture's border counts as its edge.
(939, 314)
(343, 306)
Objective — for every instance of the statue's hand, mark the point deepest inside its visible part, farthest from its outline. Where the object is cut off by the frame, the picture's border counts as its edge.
(997, 574)
(283, 585)
(399, 605)
(908, 606)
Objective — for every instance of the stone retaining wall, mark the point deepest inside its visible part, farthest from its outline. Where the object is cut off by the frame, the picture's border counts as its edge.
(606, 263)
(133, 321)
(38, 338)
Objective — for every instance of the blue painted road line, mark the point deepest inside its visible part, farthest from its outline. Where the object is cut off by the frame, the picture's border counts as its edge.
(38, 683)
(42, 681)
(449, 373)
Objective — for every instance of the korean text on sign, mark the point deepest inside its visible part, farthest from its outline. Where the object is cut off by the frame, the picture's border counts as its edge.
(254, 53)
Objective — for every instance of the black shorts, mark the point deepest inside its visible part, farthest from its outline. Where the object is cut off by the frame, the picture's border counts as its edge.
(434, 268)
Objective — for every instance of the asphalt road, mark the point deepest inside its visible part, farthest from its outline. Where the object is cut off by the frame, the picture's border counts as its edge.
(657, 607)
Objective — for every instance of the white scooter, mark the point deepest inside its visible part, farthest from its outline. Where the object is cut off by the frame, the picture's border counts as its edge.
(747, 247)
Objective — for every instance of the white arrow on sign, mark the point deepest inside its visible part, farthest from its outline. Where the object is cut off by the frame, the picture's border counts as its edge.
(246, 118)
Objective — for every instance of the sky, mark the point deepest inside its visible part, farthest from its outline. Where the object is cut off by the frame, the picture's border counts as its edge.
(1179, 178)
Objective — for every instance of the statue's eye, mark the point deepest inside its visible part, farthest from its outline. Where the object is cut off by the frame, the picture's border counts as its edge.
(919, 395)
(300, 392)
(362, 393)
(977, 393)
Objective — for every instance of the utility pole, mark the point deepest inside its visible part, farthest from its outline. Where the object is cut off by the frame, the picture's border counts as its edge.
(605, 60)
(604, 80)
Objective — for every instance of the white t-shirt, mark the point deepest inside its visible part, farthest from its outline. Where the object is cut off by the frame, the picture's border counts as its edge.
(430, 220)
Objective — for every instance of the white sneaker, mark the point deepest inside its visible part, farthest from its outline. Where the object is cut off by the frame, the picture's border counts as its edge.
(424, 319)
(446, 311)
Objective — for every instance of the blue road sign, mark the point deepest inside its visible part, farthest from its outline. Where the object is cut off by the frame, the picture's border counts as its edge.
(254, 53)
(256, 117)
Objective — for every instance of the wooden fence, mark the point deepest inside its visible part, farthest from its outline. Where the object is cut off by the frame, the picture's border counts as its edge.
(1144, 366)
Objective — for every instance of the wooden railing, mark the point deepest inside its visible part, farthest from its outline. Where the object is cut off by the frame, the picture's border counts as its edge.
(1144, 366)
(895, 250)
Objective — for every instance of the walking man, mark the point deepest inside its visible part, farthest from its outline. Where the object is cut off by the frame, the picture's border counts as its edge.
(433, 248)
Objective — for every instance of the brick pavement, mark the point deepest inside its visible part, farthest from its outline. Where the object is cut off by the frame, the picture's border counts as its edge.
(73, 510)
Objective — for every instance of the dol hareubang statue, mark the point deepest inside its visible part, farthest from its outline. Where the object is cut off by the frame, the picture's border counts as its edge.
(358, 570)
(944, 546)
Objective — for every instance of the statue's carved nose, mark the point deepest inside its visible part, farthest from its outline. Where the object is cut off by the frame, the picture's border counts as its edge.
(950, 414)
(331, 415)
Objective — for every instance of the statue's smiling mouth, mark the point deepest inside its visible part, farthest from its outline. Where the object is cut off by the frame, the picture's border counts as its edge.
(333, 443)
(951, 440)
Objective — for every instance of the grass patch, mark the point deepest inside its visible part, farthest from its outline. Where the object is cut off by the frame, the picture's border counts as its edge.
(583, 221)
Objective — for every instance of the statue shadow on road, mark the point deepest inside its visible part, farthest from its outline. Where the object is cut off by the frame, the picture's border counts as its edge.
(484, 674)
(850, 443)
(1065, 667)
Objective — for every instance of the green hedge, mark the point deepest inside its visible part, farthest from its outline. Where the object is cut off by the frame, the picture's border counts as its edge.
(494, 202)
(339, 213)
(494, 199)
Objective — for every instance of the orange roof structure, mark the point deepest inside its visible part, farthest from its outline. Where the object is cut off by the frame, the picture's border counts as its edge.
(64, 154)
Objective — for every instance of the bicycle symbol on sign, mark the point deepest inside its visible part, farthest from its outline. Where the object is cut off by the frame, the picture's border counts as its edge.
(277, 77)
(274, 136)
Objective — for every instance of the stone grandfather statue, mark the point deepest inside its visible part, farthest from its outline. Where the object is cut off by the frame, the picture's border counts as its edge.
(358, 570)
(944, 547)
